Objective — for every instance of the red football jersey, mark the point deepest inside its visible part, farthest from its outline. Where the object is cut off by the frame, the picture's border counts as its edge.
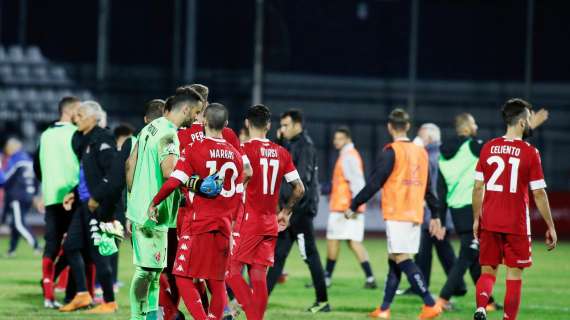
(270, 163)
(195, 133)
(203, 158)
(508, 167)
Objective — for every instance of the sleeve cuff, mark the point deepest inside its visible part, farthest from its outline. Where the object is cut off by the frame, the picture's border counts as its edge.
(479, 176)
(180, 175)
(537, 184)
(292, 176)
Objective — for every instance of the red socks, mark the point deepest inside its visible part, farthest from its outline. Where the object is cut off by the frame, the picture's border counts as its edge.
(241, 290)
(258, 278)
(512, 299)
(191, 298)
(47, 278)
(484, 289)
(165, 299)
(201, 287)
(218, 301)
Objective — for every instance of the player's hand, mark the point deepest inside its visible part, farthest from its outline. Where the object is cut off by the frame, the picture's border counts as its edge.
(283, 219)
(68, 200)
(92, 204)
(538, 118)
(441, 234)
(153, 213)
(476, 229)
(38, 203)
(349, 214)
(434, 227)
(129, 226)
(551, 239)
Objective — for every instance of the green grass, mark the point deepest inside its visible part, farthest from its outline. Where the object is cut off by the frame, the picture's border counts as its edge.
(546, 288)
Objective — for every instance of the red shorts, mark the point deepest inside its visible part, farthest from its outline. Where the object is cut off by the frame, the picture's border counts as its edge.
(182, 221)
(202, 256)
(512, 250)
(255, 249)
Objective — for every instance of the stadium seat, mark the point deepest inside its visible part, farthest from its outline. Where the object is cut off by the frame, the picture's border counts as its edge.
(40, 74)
(22, 74)
(12, 94)
(58, 75)
(34, 55)
(15, 54)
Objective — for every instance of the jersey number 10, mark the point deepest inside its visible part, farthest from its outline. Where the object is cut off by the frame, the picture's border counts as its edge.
(212, 165)
(492, 183)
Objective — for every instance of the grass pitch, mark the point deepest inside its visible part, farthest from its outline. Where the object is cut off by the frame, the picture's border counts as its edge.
(546, 288)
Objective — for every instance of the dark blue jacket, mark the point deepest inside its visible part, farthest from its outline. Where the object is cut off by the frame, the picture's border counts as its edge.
(18, 178)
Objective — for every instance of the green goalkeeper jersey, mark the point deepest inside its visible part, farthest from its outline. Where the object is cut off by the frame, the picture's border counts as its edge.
(156, 141)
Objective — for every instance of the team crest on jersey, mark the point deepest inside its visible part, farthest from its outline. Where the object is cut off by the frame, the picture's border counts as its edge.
(157, 256)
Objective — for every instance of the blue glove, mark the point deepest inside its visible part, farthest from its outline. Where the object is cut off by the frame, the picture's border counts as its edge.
(211, 186)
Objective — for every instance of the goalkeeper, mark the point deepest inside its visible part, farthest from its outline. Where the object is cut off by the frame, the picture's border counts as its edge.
(150, 164)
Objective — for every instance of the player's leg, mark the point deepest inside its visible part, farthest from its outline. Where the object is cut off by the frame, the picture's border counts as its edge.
(490, 256)
(168, 294)
(19, 210)
(333, 249)
(334, 228)
(305, 236)
(104, 272)
(425, 254)
(241, 289)
(218, 301)
(517, 249)
(392, 282)
(56, 225)
(362, 256)
(191, 297)
(257, 278)
(74, 248)
(467, 255)
(149, 257)
(447, 259)
(282, 249)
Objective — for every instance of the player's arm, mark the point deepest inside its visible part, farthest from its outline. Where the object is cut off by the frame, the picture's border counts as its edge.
(297, 193)
(247, 170)
(433, 205)
(538, 118)
(477, 204)
(541, 200)
(353, 174)
(130, 165)
(381, 172)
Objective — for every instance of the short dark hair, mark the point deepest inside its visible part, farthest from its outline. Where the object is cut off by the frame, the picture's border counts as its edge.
(344, 130)
(514, 109)
(65, 102)
(399, 119)
(181, 97)
(258, 116)
(216, 115)
(201, 89)
(295, 114)
(154, 109)
(123, 129)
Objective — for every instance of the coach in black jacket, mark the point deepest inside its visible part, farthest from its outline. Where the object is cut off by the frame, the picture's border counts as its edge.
(301, 229)
(100, 183)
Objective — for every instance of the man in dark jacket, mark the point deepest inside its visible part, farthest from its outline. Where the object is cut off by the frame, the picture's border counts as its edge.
(301, 228)
(100, 183)
(20, 185)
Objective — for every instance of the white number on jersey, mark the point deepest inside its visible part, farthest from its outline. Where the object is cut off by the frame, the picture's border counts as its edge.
(492, 183)
(222, 173)
(274, 163)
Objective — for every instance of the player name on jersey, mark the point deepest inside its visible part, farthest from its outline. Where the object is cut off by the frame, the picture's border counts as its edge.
(222, 154)
(198, 136)
(502, 149)
(269, 153)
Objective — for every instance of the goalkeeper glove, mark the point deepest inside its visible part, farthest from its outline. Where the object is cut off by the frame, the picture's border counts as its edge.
(211, 186)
